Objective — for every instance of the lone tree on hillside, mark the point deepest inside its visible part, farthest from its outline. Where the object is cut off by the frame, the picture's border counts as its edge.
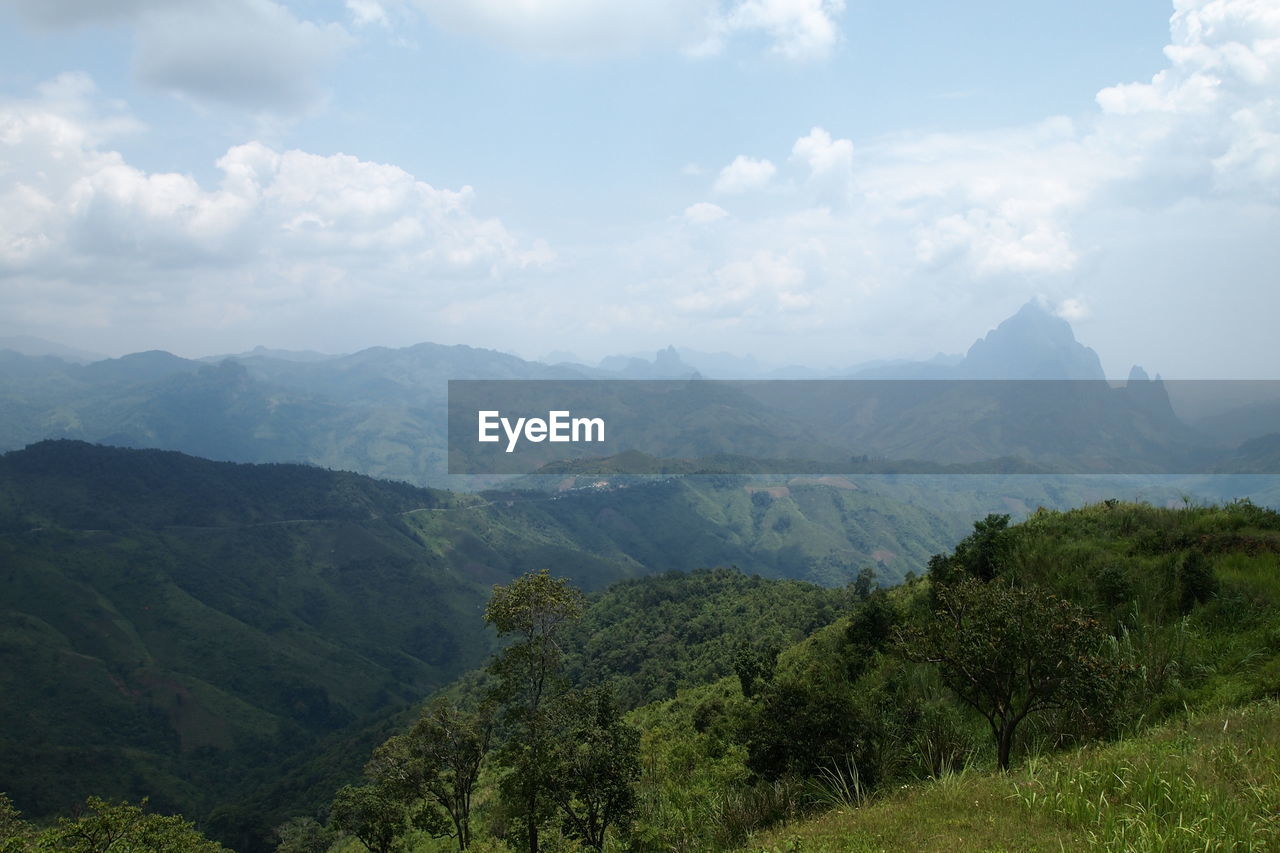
(535, 608)
(1009, 653)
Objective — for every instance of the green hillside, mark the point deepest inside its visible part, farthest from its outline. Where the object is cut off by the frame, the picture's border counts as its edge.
(233, 640)
(175, 626)
(1185, 606)
(189, 629)
(1134, 648)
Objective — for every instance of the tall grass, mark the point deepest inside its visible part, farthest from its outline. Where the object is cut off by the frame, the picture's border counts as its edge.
(839, 785)
(1184, 790)
(1207, 782)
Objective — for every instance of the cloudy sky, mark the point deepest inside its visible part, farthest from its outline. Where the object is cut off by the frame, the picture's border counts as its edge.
(809, 181)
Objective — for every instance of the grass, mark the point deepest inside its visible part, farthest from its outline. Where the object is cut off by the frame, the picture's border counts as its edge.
(1209, 782)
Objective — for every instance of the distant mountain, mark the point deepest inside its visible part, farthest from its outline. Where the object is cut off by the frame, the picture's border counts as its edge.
(37, 347)
(667, 364)
(280, 354)
(1032, 344)
(137, 367)
(379, 411)
(723, 365)
(382, 411)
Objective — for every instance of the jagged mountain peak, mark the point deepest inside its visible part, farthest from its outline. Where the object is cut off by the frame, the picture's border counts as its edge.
(1032, 344)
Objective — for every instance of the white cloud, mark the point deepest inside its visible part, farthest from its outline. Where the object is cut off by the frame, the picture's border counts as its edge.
(764, 282)
(823, 155)
(799, 30)
(744, 174)
(1165, 185)
(992, 244)
(930, 226)
(829, 163)
(247, 53)
(704, 213)
(367, 12)
(1072, 310)
(794, 29)
(1214, 113)
(251, 54)
(278, 226)
(75, 13)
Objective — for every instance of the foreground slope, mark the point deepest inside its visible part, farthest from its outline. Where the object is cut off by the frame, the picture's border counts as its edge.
(1209, 781)
(1185, 608)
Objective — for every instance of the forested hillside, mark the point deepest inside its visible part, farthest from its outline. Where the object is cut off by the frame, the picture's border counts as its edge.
(194, 630)
(1069, 630)
(1028, 648)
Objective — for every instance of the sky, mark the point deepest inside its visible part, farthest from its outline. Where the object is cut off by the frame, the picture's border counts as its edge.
(816, 182)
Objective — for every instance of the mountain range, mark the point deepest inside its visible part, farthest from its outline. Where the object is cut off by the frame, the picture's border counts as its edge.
(382, 411)
(217, 627)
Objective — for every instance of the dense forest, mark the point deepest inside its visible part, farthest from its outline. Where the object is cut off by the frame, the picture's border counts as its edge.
(1103, 677)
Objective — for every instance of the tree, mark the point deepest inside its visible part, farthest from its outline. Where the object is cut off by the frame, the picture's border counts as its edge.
(754, 666)
(869, 631)
(123, 828)
(303, 835)
(1196, 582)
(596, 761)
(368, 813)
(798, 724)
(14, 831)
(1009, 653)
(534, 608)
(438, 761)
(982, 554)
(864, 583)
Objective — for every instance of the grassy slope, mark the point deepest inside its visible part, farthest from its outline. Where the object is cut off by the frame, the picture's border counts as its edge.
(1217, 765)
(1205, 782)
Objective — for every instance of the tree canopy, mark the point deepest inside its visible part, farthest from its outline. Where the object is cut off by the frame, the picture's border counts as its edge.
(1011, 652)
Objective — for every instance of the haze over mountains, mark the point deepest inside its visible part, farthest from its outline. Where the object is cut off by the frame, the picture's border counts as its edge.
(382, 411)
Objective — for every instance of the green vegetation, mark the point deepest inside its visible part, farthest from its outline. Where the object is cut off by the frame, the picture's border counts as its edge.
(233, 640)
(1073, 630)
(1009, 653)
(646, 638)
(565, 759)
(182, 629)
(242, 670)
(1162, 582)
(1207, 781)
(534, 609)
(1184, 601)
(437, 764)
(103, 827)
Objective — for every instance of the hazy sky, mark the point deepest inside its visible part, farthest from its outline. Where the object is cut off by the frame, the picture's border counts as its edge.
(810, 181)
